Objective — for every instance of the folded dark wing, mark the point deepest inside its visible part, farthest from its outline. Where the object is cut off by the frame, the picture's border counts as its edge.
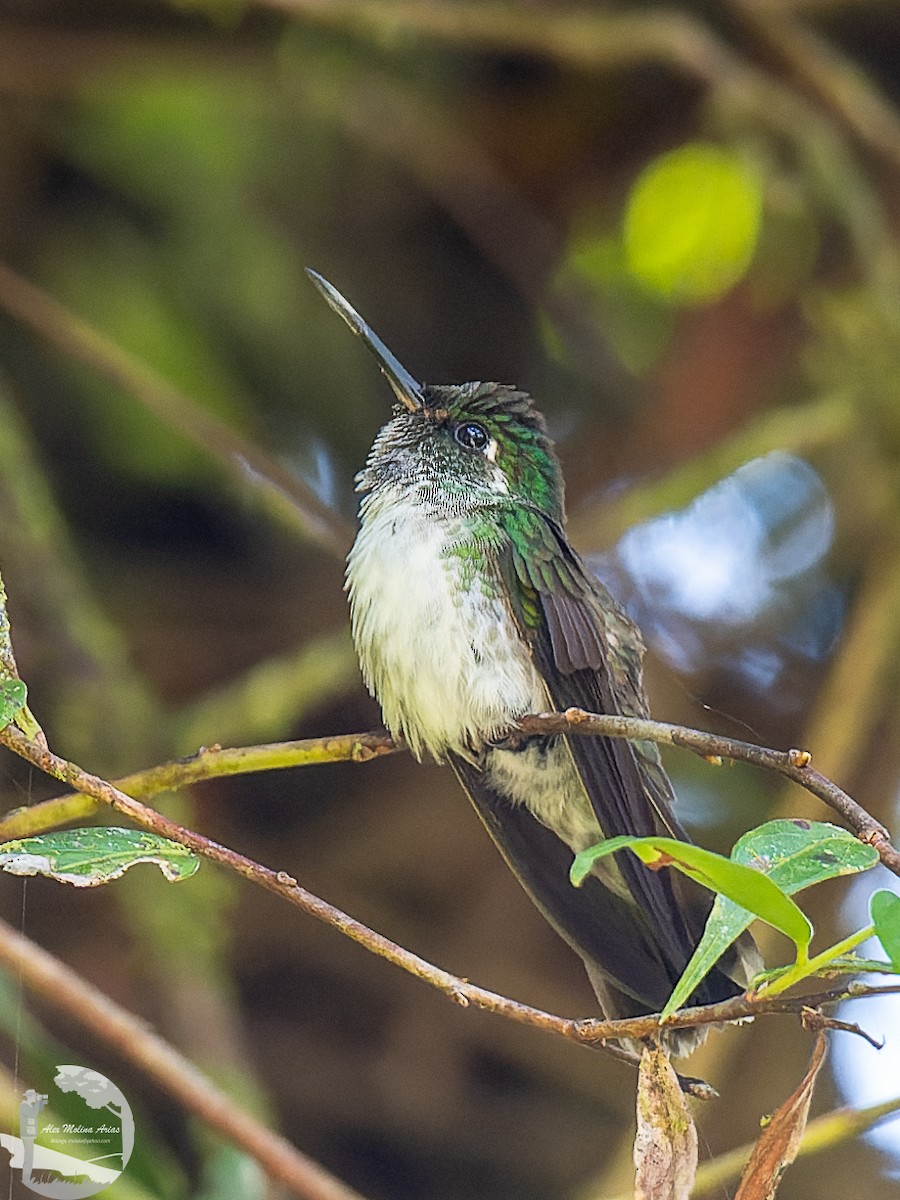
(589, 654)
(604, 928)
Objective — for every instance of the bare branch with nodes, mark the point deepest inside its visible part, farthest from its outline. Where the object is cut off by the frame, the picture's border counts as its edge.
(214, 762)
(595, 1033)
(792, 764)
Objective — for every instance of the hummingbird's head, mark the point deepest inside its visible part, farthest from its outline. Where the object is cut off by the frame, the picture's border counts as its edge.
(460, 446)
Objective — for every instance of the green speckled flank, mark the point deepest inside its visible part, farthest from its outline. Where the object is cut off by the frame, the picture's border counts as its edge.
(468, 565)
(471, 554)
(530, 607)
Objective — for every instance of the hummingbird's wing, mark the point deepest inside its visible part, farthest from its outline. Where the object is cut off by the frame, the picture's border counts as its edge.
(603, 927)
(589, 654)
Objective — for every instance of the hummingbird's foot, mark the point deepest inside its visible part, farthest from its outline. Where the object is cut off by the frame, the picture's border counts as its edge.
(517, 740)
(513, 739)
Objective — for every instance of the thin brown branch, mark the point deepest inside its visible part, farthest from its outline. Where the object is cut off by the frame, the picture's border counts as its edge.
(589, 1032)
(213, 762)
(290, 497)
(210, 762)
(792, 764)
(62, 988)
(813, 1019)
(283, 885)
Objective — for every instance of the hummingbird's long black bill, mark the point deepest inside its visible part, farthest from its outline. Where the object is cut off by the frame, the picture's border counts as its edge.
(406, 389)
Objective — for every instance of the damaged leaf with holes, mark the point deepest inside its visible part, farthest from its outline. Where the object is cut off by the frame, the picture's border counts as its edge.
(94, 856)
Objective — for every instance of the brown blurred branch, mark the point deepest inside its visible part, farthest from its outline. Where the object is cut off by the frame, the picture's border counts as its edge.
(597, 40)
(586, 39)
(836, 83)
(289, 496)
(61, 987)
(590, 1032)
(39, 59)
(860, 682)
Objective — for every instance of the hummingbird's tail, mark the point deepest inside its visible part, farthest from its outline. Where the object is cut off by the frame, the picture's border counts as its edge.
(632, 971)
(730, 976)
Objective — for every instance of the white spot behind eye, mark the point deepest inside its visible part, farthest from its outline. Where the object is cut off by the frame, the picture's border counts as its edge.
(490, 452)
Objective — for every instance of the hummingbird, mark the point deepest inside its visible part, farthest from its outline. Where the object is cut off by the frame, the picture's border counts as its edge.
(469, 609)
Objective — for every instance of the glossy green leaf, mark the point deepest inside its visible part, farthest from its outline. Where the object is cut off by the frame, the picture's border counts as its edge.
(13, 692)
(90, 857)
(692, 223)
(12, 700)
(749, 888)
(794, 855)
(885, 909)
(797, 853)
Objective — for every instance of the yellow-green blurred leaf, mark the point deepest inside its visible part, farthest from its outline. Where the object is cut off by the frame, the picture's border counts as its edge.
(692, 223)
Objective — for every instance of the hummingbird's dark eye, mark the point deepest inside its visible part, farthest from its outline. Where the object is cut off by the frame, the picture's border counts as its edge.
(471, 435)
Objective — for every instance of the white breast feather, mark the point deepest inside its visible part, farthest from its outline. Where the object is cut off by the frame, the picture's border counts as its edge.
(448, 665)
(445, 660)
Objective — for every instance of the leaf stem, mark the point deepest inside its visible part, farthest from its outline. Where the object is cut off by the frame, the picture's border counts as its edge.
(805, 966)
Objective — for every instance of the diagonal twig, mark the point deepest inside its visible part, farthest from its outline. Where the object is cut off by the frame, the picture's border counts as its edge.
(69, 333)
(60, 986)
(588, 1032)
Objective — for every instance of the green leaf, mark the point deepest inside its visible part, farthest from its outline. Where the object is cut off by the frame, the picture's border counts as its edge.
(692, 223)
(90, 857)
(885, 909)
(13, 694)
(794, 855)
(26, 721)
(749, 888)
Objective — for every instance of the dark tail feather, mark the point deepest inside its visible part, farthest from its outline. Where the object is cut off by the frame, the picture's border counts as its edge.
(630, 973)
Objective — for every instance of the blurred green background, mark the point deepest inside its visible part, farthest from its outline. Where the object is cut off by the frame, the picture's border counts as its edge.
(676, 228)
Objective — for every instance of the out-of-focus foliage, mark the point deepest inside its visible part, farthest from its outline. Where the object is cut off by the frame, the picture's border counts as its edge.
(692, 223)
(885, 909)
(678, 232)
